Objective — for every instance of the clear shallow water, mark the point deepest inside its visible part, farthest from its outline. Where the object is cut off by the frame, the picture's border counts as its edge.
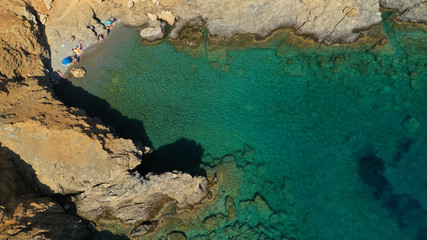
(332, 142)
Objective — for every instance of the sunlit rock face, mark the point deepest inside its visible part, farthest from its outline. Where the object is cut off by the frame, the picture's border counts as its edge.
(413, 11)
(24, 214)
(58, 149)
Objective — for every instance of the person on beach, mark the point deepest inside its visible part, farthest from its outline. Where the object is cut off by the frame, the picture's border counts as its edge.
(110, 23)
(80, 46)
(77, 50)
(76, 58)
(56, 78)
(59, 74)
(92, 28)
(100, 35)
(72, 38)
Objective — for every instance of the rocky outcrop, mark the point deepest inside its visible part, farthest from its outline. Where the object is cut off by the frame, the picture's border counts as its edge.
(41, 218)
(21, 42)
(413, 11)
(63, 151)
(78, 72)
(67, 150)
(153, 32)
(328, 22)
(24, 214)
(167, 16)
(134, 201)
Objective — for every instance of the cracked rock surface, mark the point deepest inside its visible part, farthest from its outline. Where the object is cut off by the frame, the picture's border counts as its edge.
(410, 10)
(60, 150)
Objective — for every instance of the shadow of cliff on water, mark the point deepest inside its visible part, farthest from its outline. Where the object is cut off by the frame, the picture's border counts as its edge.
(107, 235)
(184, 155)
(97, 107)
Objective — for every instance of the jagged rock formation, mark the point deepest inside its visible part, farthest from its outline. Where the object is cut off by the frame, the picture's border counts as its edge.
(78, 72)
(60, 150)
(21, 43)
(413, 11)
(24, 214)
(67, 150)
(135, 201)
(63, 151)
(153, 32)
(328, 22)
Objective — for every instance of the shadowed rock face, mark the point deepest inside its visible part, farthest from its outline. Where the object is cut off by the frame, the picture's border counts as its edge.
(134, 200)
(24, 214)
(68, 151)
(63, 151)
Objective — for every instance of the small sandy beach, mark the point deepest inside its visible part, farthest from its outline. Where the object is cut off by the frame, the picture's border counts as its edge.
(90, 48)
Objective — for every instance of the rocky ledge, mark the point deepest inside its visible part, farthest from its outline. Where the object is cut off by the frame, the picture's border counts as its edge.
(329, 22)
(59, 151)
(50, 150)
(413, 11)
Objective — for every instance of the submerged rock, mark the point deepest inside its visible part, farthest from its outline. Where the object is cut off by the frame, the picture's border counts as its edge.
(153, 32)
(175, 235)
(411, 124)
(213, 221)
(142, 229)
(78, 72)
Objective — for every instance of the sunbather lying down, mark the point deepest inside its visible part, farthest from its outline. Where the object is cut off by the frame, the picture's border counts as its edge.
(77, 51)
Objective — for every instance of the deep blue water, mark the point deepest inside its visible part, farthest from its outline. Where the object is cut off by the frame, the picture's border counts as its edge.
(330, 143)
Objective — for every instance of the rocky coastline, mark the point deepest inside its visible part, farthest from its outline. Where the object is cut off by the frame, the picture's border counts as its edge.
(59, 165)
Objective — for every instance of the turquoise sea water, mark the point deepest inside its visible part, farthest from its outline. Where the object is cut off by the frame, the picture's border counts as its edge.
(332, 142)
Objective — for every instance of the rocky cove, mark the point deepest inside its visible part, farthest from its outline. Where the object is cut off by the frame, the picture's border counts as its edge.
(48, 148)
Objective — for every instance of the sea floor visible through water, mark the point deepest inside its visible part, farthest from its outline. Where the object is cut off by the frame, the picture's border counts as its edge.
(329, 143)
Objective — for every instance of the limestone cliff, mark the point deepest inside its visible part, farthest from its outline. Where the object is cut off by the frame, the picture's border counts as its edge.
(413, 11)
(60, 150)
(329, 22)
(63, 151)
(24, 214)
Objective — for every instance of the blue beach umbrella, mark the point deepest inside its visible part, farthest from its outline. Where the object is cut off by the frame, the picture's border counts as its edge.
(108, 23)
(67, 61)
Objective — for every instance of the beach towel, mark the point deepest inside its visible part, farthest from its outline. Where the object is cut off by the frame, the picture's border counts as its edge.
(67, 61)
